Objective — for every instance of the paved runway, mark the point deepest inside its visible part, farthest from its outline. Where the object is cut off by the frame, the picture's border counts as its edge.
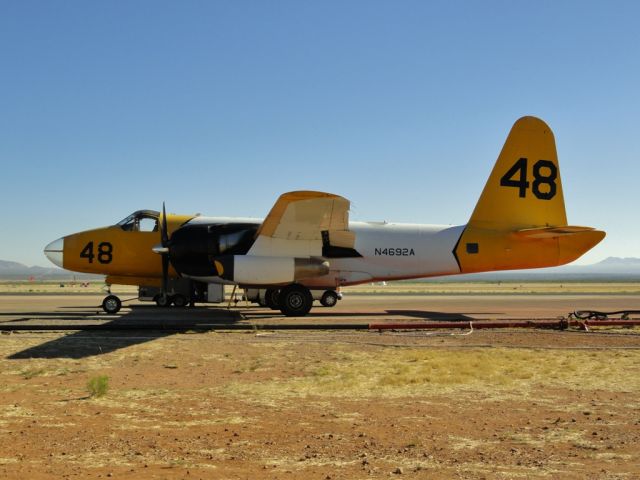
(85, 309)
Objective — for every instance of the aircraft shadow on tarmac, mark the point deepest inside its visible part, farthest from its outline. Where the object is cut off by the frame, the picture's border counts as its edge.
(422, 314)
(444, 316)
(155, 323)
(82, 344)
(29, 316)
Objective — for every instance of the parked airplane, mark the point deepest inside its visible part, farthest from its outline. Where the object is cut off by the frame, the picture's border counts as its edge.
(306, 242)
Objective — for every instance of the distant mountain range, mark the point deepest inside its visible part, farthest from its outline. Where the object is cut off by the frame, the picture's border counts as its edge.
(609, 269)
(18, 271)
(612, 268)
(617, 262)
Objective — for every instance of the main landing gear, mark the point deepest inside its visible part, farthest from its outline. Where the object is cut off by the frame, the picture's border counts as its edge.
(329, 298)
(296, 300)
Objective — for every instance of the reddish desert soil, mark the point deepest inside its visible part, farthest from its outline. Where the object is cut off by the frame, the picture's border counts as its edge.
(321, 405)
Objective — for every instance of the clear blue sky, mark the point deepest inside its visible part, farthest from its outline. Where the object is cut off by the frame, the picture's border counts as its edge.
(218, 107)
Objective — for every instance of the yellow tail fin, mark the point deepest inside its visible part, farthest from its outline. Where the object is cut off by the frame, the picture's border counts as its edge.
(520, 219)
(524, 189)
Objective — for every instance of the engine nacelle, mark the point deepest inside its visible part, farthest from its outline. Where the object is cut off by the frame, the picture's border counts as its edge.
(258, 270)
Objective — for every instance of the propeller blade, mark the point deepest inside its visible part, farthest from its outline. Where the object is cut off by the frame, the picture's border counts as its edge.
(165, 273)
(163, 230)
(163, 250)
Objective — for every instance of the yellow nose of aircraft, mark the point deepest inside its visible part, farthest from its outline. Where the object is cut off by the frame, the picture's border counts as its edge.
(54, 251)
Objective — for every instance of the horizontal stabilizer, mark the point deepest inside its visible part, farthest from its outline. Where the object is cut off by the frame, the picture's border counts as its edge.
(551, 232)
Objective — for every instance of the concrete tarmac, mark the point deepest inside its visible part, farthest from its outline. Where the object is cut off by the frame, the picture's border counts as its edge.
(85, 309)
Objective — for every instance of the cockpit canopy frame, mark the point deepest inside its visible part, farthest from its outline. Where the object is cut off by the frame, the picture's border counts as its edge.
(140, 221)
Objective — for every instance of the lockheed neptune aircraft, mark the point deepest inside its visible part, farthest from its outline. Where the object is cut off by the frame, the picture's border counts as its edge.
(307, 242)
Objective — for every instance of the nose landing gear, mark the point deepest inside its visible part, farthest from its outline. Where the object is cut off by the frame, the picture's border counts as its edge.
(111, 304)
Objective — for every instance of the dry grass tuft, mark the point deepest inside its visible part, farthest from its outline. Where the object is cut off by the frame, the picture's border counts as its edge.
(32, 372)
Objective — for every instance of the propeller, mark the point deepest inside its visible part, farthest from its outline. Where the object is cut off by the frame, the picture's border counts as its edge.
(163, 249)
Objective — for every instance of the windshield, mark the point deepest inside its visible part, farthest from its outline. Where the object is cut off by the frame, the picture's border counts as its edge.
(140, 221)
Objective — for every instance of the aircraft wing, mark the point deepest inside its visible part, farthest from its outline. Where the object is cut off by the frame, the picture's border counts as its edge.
(304, 223)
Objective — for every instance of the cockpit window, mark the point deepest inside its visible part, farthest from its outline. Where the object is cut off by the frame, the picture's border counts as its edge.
(148, 224)
(141, 221)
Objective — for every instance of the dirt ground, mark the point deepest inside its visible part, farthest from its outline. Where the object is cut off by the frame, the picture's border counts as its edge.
(321, 405)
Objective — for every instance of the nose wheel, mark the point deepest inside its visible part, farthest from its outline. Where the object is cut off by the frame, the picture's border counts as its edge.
(111, 304)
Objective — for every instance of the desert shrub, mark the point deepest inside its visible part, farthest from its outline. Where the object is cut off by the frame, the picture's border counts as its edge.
(98, 386)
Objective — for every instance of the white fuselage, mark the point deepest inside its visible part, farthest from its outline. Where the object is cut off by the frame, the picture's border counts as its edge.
(390, 251)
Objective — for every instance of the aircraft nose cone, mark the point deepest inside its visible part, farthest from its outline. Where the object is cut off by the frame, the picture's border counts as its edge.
(54, 251)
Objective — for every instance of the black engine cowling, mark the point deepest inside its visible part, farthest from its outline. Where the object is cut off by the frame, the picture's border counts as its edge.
(194, 248)
(221, 251)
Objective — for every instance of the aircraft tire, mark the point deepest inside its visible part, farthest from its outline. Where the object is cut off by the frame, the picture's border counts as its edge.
(329, 298)
(164, 301)
(180, 301)
(271, 299)
(295, 300)
(111, 304)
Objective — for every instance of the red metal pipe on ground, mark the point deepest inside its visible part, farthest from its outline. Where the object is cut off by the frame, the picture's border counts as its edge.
(606, 323)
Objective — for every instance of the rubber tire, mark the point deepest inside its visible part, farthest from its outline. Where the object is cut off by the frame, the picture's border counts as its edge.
(271, 299)
(329, 298)
(163, 301)
(295, 300)
(111, 304)
(180, 300)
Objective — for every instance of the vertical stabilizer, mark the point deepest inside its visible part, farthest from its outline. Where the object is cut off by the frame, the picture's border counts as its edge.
(520, 219)
(524, 189)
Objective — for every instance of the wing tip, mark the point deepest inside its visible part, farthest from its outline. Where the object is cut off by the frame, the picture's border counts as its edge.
(307, 195)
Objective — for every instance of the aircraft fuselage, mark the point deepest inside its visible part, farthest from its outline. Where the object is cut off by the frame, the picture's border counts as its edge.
(387, 251)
